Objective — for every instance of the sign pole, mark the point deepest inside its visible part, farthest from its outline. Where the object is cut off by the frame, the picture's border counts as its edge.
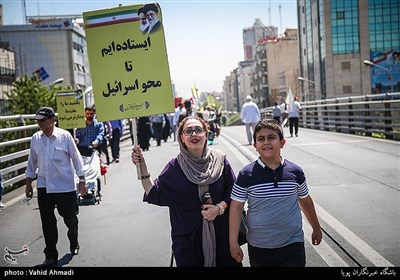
(135, 144)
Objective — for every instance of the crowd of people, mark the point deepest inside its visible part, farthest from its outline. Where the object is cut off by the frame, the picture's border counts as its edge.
(288, 115)
(204, 195)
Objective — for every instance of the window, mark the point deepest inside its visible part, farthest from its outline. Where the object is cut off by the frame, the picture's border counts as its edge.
(347, 90)
(345, 27)
(384, 18)
(346, 65)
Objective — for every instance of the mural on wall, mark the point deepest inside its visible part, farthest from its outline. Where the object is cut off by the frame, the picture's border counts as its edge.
(385, 74)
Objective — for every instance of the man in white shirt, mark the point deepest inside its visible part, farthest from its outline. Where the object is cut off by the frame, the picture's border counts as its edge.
(294, 113)
(53, 159)
(250, 115)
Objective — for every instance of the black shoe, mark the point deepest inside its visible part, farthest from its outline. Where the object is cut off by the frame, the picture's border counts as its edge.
(74, 250)
(49, 262)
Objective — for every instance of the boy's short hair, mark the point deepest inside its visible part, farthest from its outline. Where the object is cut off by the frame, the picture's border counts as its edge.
(270, 124)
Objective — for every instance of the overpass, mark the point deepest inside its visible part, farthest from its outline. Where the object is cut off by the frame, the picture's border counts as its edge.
(376, 115)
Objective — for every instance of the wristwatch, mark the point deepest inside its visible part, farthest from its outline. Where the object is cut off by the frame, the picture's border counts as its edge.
(221, 209)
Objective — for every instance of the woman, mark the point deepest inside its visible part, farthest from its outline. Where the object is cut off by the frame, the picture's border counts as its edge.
(196, 186)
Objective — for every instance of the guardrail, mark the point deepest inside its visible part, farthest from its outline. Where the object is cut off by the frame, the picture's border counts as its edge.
(13, 164)
(375, 115)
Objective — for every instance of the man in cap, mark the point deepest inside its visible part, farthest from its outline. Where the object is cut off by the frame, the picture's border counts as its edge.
(250, 115)
(53, 160)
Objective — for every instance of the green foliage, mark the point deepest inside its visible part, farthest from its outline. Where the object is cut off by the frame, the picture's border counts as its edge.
(26, 97)
(29, 94)
(233, 118)
(7, 137)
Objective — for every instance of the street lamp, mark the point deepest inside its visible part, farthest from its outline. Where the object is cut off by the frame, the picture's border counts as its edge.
(87, 90)
(88, 95)
(79, 94)
(319, 113)
(304, 79)
(56, 82)
(370, 63)
(312, 82)
(237, 89)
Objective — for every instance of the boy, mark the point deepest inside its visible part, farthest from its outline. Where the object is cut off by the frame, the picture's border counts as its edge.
(275, 190)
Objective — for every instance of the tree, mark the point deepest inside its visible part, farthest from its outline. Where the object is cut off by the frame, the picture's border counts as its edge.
(26, 97)
(29, 94)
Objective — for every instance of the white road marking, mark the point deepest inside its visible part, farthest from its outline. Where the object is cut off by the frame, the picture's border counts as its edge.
(325, 251)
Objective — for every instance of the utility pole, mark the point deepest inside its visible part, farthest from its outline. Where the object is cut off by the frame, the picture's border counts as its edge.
(280, 20)
(269, 13)
(23, 12)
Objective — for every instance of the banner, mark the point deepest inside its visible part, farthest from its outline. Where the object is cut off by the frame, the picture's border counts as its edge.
(289, 97)
(128, 62)
(385, 75)
(70, 109)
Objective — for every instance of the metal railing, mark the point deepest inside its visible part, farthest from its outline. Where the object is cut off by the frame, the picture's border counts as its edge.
(375, 115)
(13, 165)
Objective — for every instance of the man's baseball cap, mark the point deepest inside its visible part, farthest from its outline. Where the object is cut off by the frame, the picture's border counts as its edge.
(44, 112)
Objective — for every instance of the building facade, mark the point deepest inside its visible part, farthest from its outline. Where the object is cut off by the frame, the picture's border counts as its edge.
(51, 49)
(255, 35)
(7, 74)
(348, 47)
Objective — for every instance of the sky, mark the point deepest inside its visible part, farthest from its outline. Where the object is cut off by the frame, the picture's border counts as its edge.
(204, 39)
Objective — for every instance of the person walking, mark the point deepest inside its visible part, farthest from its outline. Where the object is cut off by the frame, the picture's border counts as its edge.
(103, 147)
(2, 206)
(117, 129)
(196, 186)
(250, 115)
(276, 192)
(166, 130)
(90, 136)
(54, 160)
(277, 112)
(158, 123)
(294, 112)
